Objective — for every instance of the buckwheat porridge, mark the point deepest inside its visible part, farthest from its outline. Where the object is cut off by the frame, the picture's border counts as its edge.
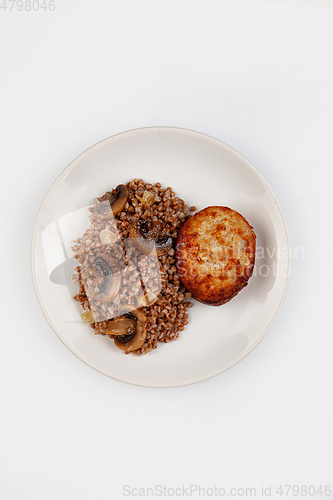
(129, 288)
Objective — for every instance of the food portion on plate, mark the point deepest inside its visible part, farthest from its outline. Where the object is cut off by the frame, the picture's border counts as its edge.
(215, 254)
(144, 256)
(129, 287)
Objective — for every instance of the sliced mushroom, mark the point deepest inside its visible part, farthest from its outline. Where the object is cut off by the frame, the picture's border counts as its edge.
(114, 200)
(111, 277)
(123, 327)
(129, 342)
(147, 239)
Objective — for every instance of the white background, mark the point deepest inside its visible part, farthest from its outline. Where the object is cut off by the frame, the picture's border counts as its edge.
(257, 75)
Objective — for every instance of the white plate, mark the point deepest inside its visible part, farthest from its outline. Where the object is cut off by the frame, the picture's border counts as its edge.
(203, 171)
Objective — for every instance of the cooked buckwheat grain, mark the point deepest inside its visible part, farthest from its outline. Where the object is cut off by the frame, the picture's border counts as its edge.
(167, 317)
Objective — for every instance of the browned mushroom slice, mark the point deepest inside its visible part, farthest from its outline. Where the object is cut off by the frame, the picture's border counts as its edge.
(114, 200)
(111, 277)
(123, 326)
(132, 342)
(147, 239)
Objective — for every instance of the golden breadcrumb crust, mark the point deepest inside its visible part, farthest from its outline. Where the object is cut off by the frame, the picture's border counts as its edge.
(215, 254)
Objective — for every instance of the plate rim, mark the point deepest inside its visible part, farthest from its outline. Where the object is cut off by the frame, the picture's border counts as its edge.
(69, 167)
